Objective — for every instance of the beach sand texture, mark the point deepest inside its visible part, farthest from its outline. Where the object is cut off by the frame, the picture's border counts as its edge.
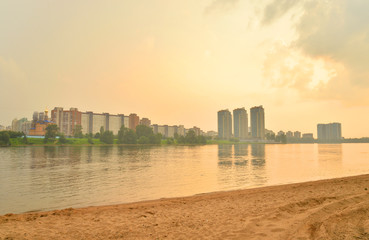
(326, 209)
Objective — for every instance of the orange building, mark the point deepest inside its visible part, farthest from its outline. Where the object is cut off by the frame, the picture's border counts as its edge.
(39, 124)
(134, 120)
(39, 128)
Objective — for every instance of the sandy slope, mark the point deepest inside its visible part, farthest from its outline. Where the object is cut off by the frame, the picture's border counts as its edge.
(328, 209)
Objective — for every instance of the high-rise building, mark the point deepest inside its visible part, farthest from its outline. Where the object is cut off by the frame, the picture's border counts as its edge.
(134, 120)
(329, 132)
(257, 122)
(240, 123)
(224, 124)
(66, 120)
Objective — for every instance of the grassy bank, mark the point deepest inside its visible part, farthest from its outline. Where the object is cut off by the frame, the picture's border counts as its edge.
(15, 142)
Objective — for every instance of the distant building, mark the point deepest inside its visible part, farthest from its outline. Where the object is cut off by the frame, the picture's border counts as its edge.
(163, 130)
(280, 133)
(329, 132)
(26, 126)
(257, 122)
(21, 125)
(196, 130)
(66, 120)
(240, 123)
(297, 134)
(155, 128)
(39, 124)
(171, 131)
(224, 124)
(134, 120)
(145, 121)
(92, 122)
(307, 136)
(114, 122)
(289, 134)
(181, 130)
(211, 134)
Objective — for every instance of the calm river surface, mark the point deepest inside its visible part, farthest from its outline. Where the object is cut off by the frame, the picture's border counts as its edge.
(46, 178)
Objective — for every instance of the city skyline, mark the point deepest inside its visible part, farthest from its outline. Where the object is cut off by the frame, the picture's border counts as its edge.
(179, 62)
(229, 125)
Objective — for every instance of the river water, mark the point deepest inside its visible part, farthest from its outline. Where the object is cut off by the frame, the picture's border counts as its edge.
(46, 178)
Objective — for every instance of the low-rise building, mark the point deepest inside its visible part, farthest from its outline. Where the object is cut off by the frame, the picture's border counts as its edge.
(307, 136)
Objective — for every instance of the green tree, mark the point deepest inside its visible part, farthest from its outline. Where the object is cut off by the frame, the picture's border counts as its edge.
(270, 136)
(97, 135)
(142, 130)
(62, 139)
(181, 140)
(121, 133)
(77, 131)
(176, 136)
(170, 140)
(155, 138)
(25, 139)
(281, 138)
(107, 137)
(130, 137)
(89, 139)
(201, 139)
(191, 137)
(51, 132)
(5, 139)
(143, 140)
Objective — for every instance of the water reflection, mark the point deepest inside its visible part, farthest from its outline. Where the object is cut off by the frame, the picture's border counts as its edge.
(258, 155)
(234, 161)
(330, 157)
(224, 151)
(42, 178)
(330, 152)
(225, 155)
(240, 154)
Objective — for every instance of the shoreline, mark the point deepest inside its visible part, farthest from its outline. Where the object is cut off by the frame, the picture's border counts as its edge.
(306, 210)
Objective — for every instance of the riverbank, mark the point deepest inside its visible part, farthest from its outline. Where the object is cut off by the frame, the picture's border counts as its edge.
(325, 209)
(18, 142)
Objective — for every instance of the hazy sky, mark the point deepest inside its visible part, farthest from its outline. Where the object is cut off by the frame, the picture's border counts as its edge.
(179, 62)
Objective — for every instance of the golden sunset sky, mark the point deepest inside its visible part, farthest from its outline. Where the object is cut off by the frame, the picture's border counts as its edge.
(179, 62)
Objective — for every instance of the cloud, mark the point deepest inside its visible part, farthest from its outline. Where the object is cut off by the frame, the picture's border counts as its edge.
(332, 32)
(277, 9)
(220, 5)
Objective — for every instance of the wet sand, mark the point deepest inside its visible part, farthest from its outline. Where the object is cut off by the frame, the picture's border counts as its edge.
(326, 209)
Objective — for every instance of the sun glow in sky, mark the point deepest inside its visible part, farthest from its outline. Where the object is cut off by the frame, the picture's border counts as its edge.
(179, 62)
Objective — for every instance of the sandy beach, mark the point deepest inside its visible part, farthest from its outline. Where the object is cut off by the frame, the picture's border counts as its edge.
(326, 209)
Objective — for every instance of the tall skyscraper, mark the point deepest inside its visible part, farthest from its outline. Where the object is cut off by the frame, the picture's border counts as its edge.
(240, 123)
(329, 132)
(257, 122)
(224, 124)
